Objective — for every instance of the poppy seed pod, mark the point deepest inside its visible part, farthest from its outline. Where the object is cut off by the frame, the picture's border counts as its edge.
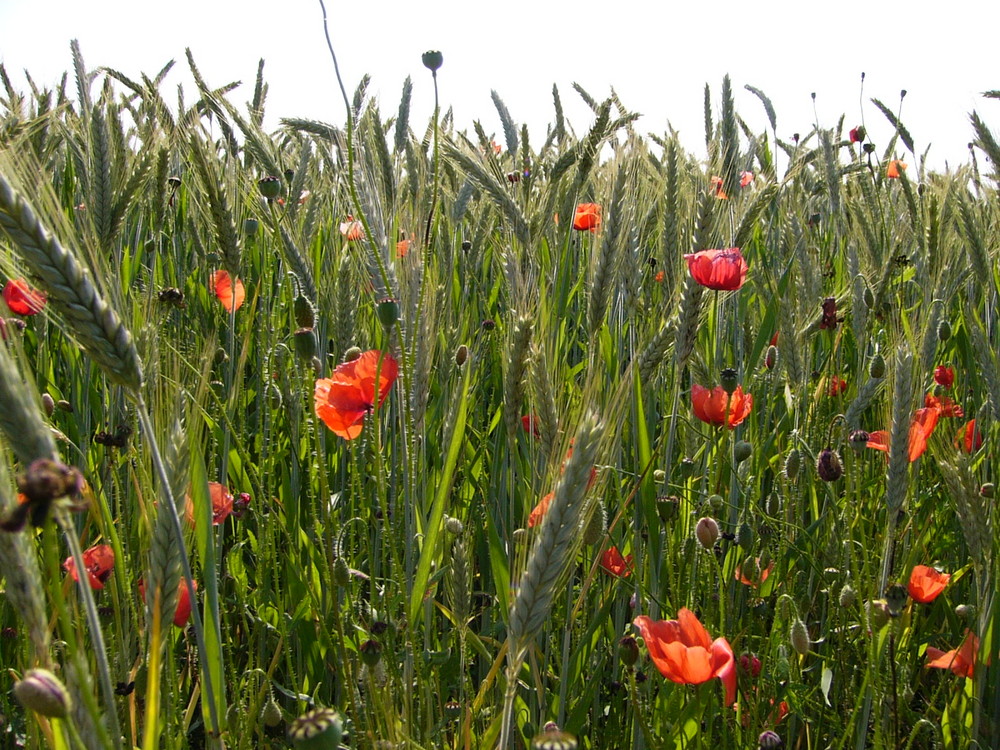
(320, 729)
(858, 440)
(270, 187)
(707, 532)
(64, 405)
(729, 380)
(371, 652)
(987, 490)
(466, 246)
(828, 465)
(250, 227)
(687, 468)
(42, 692)
(628, 651)
(667, 507)
(876, 368)
(896, 597)
(798, 635)
(432, 60)
(388, 312)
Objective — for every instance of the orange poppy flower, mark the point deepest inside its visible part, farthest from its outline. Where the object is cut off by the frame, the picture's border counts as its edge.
(588, 217)
(724, 270)
(944, 376)
(717, 184)
(402, 248)
(351, 229)
(945, 406)
(969, 438)
(99, 561)
(926, 583)
(746, 178)
(230, 296)
(684, 653)
(895, 167)
(759, 576)
(222, 504)
(837, 386)
(659, 277)
(538, 512)
(343, 400)
(183, 611)
(961, 661)
(921, 428)
(710, 406)
(613, 563)
(21, 298)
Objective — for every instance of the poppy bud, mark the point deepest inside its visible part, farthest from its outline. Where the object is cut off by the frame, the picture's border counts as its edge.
(250, 227)
(707, 532)
(965, 611)
(488, 325)
(305, 313)
(320, 729)
(876, 368)
(749, 664)
(593, 532)
(305, 343)
(848, 597)
(432, 60)
(341, 573)
(667, 507)
(42, 692)
(745, 537)
(687, 468)
(944, 330)
(352, 354)
(628, 651)
(742, 451)
(986, 490)
(869, 148)
(64, 405)
(388, 312)
(461, 354)
(270, 715)
(659, 476)
(858, 440)
(768, 740)
(715, 502)
(792, 462)
(771, 357)
(828, 465)
(371, 652)
(728, 380)
(454, 526)
(48, 404)
(773, 504)
(270, 187)
(798, 635)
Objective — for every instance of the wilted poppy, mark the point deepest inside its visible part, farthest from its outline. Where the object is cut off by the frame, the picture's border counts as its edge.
(756, 577)
(613, 563)
(944, 376)
(837, 386)
(22, 299)
(961, 661)
(99, 561)
(530, 424)
(183, 611)
(926, 583)
(921, 428)
(222, 504)
(717, 185)
(229, 295)
(725, 270)
(718, 407)
(352, 229)
(945, 406)
(684, 652)
(539, 511)
(588, 217)
(895, 167)
(746, 178)
(343, 400)
(969, 438)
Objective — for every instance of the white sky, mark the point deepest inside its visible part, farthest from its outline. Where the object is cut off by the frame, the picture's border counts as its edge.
(657, 57)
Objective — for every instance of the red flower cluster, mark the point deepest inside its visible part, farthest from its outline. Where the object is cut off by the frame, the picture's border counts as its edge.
(343, 400)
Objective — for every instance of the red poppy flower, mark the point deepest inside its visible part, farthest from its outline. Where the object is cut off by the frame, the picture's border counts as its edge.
(99, 562)
(684, 653)
(230, 296)
(944, 376)
(183, 611)
(717, 183)
(613, 563)
(895, 167)
(945, 406)
(222, 504)
(926, 583)
(343, 400)
(774, 338)
(969, 438)
(22, 299)
(530, 424)
(746, 178)
(961, 661)
(659, 277)
(539, 511)
(921, 428)
(856, 134)
(588, 217)
(710, 406)
(402, 248)
(756, 577)
(352, 229)
(725, 270)
(837, 386)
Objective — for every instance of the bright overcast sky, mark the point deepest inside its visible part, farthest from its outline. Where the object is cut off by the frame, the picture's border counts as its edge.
(657, 55)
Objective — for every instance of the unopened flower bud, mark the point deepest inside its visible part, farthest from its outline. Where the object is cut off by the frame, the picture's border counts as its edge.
(848, 597)
(628, 651)
(48, 404)
(828, 465)
(64, 405)
(305, 343)
(270, 715)
(454, 526)
(745, 536)
(305, 313)
(741, 451)
(965, 611)
(320, 729)
(792, 462)
(896, 597)
(878, 614)
(352, 354)
(876, 368)
(659, 476)
(593, 532)
(987, 490)
(341, 572)
(42, 692)
(771, 357)
(798, 635)
(944, 330)
(461, 355)
(707, 532)
(715, 502)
